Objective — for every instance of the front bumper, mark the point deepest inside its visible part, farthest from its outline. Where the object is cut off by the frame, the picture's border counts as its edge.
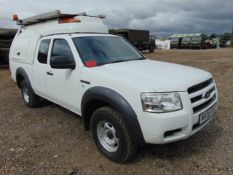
(173, 126)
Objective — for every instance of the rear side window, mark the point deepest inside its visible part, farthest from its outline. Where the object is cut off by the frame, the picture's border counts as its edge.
(61, 48)
(43, 51)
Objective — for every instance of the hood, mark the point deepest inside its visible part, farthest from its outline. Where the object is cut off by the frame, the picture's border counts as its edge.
(160, 76)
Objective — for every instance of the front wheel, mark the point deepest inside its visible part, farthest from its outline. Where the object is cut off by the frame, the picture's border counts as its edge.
(111, 135)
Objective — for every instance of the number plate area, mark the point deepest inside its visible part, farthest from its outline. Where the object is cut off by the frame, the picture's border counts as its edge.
(207, 114)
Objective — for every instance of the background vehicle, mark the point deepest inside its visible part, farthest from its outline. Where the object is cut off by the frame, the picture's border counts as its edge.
(192, 40)
(141, 39)
(198, 41)
(186, 43)
(6, 38)
(176, 43)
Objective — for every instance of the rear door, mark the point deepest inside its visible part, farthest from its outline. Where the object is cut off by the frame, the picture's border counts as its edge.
(64, 84)
(40, 67)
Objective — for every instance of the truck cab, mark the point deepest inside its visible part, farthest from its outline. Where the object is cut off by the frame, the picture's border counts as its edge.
(141, 39)
(125, 99)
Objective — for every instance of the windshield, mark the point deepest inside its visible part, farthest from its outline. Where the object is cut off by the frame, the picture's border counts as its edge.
(105, 49)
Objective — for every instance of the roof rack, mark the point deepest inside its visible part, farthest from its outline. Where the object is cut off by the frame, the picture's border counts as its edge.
(50, 16)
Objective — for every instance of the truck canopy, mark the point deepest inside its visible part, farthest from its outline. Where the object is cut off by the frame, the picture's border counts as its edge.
(33, 28)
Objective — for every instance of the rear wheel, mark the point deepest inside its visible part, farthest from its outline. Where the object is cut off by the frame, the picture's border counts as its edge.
(29, 97)
(111, 135)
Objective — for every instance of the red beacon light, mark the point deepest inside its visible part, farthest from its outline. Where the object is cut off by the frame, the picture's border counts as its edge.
(15, 17)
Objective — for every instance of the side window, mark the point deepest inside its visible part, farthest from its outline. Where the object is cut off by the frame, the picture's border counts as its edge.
(61, 48)
(43, 51)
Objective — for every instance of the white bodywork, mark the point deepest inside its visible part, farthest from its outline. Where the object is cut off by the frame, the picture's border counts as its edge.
(129, 79)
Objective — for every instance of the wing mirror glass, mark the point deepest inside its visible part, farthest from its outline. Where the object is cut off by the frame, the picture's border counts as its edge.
(62, 62)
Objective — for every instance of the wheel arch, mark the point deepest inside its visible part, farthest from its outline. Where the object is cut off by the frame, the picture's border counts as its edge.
(97, 97)
(20, 76)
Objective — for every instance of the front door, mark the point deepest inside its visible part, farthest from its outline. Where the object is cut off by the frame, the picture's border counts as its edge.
(64, 84)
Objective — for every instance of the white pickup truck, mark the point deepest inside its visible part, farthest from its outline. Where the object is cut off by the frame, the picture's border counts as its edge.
(125, 99)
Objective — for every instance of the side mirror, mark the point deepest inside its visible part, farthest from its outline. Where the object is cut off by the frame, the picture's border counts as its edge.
(62, 62)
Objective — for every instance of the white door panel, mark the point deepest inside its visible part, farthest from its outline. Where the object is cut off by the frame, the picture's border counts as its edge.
(63, 87)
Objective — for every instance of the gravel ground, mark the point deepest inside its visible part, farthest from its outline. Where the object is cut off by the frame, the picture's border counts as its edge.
(51, 140)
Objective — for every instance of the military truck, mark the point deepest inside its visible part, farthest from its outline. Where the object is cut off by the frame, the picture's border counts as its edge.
(198, 41)
(176, 43)
(186, 43)
(6, 38)
(141, 39)
(192, 40)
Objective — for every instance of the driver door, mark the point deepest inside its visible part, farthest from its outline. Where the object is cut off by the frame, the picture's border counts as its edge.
(63, 84)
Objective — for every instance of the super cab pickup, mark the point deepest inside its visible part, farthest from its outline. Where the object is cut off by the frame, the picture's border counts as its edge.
(125, 99)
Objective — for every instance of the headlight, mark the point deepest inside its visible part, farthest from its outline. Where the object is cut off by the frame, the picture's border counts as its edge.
(161, 102)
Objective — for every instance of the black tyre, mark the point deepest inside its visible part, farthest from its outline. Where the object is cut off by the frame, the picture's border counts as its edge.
(111, 135)
(29, 97)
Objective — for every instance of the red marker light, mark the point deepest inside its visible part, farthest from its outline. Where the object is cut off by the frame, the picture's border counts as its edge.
(91, 63)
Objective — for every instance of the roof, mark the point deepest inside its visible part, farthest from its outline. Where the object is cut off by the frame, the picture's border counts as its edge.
(186, 35)
(51, 16)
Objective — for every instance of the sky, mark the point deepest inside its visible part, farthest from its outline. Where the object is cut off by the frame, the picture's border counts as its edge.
(161, 17)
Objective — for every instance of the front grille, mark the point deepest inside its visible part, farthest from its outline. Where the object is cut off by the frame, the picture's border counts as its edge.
(200, 86)
(202, 95)
(204, 105)
(199, 97)
(195, 99)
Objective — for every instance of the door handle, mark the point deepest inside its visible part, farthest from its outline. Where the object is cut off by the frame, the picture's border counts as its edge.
(50, 73)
